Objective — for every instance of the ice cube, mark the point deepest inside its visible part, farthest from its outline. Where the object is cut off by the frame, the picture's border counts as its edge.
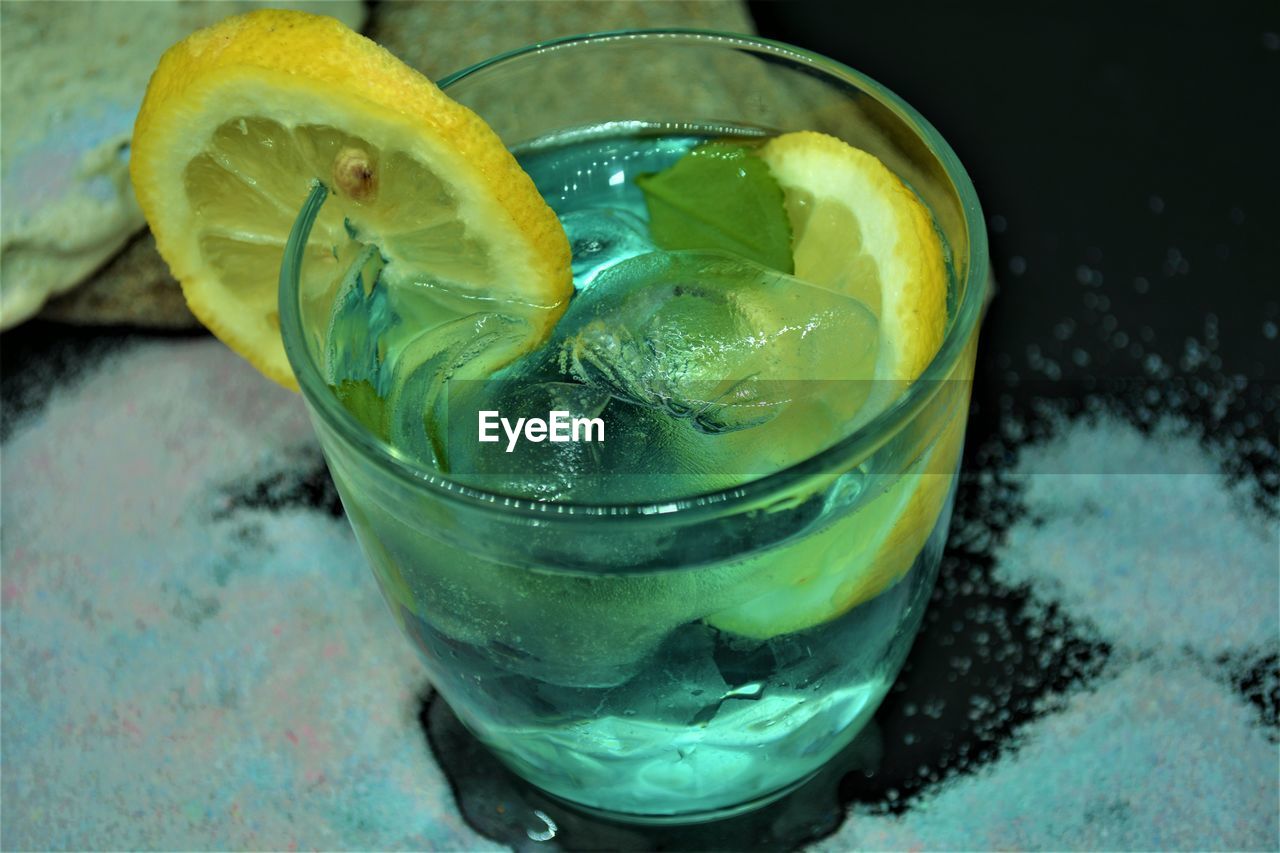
(721, 342)
(720, 371)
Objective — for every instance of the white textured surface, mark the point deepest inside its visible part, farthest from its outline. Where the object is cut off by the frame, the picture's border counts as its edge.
(71, 79)
(178, 674)
(181, 673)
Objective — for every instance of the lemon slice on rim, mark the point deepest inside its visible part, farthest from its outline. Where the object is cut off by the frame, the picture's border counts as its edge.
(240, 118)
(858, 229)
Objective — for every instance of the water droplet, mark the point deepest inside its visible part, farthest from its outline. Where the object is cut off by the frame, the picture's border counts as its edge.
(546, 834)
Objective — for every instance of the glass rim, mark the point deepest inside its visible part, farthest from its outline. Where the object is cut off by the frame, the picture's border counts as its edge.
(857, 444)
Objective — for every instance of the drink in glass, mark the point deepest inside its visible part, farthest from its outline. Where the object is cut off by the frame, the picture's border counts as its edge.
(682, 614)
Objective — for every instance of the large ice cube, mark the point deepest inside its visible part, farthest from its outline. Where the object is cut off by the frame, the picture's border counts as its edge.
(721, 370)
(720, 342)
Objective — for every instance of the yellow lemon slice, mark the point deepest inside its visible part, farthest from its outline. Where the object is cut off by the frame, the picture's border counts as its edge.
(240, 118)
(858, 229)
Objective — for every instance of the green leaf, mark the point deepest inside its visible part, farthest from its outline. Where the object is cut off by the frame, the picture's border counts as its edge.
(720, 196)
(361, 400)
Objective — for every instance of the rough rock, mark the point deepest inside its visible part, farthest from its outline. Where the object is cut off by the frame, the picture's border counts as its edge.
(439, 38)
(71, 79)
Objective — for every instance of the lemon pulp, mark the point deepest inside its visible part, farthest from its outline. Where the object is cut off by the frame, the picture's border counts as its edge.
(240, 118)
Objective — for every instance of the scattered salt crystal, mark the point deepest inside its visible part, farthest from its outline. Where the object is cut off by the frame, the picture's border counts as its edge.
(1157, 757)
(1147, 540)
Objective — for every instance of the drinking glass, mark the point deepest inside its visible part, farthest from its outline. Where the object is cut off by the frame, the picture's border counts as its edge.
(689, 658)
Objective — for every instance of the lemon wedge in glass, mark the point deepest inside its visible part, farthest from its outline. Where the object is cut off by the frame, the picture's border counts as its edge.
(857, 229)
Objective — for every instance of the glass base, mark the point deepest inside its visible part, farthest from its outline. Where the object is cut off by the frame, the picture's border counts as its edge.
(684, 818)
(501, 805)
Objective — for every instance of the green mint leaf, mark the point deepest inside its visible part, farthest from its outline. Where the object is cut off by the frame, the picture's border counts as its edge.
(720, 196)
(360, 399)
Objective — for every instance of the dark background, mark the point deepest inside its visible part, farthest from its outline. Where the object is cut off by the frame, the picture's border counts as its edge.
(1134, 139)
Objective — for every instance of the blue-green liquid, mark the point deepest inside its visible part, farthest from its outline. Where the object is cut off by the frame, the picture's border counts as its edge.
(616, 691)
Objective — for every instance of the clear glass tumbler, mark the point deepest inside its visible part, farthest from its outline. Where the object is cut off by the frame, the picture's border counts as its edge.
(687, 659)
